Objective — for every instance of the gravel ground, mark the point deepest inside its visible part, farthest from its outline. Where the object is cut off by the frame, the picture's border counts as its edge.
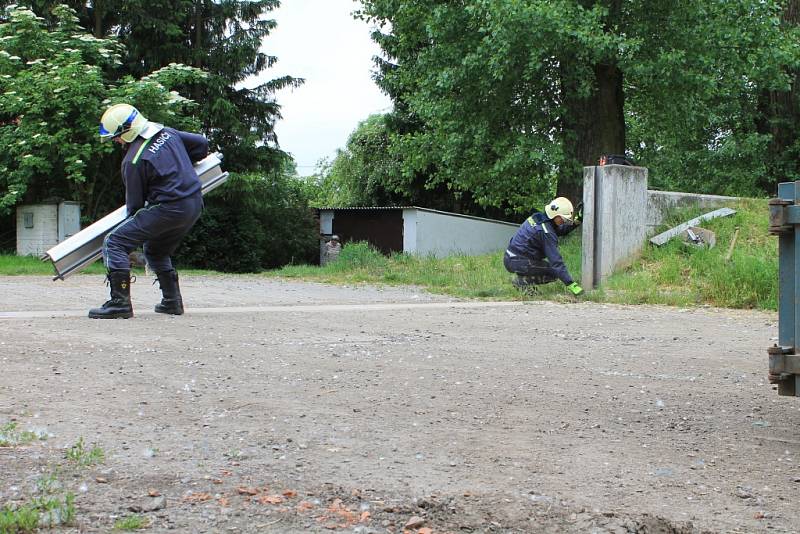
(276, 406)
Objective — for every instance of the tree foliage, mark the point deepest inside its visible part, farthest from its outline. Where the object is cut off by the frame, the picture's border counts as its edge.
(506, 99)
(224, 39)
(365, 172)
(53, 87)
(251, 223)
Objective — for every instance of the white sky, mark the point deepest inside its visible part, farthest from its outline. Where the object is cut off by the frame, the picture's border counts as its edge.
(319, 40)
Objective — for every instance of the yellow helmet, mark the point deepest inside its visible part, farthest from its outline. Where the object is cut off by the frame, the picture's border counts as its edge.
(122, 120)
(559, 206)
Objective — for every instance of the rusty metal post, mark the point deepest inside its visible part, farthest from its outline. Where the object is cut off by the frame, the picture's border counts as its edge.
(784, 217)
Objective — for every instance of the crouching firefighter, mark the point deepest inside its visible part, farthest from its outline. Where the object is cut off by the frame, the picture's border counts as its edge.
(533, 253)
(163, 196)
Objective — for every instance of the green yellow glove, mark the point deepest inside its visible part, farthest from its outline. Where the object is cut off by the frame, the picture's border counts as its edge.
(575, 289)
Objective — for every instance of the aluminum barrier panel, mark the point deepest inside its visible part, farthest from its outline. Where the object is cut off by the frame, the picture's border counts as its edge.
(84, 248)
(784, 218)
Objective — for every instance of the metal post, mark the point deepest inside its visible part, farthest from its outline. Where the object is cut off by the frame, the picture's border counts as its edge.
(784, 368)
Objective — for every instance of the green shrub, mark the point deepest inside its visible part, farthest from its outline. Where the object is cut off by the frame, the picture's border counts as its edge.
(359, 255)
(252, 223)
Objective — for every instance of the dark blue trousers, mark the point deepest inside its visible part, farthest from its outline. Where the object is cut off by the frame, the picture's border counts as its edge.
(539, 271)
(158, 227)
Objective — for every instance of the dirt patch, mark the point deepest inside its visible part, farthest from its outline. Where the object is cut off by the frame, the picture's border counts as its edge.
(304, 407)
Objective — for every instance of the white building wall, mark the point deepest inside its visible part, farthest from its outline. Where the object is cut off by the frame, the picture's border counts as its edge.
(440, 234)
(37, 240)
(410, 231)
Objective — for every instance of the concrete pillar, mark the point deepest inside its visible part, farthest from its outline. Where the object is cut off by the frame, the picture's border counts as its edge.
(614, 220)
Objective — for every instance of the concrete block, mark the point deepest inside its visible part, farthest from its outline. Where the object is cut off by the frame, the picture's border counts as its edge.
(587, 229)
(617, 203)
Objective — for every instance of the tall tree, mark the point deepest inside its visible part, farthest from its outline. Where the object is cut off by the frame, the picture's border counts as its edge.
(513, 97)
(224, 38)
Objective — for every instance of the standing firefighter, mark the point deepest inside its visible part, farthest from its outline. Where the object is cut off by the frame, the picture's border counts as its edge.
(533, 253)
(164, 199)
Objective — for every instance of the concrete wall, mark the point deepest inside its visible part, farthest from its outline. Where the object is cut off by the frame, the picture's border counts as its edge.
(441, 234)
(615, 205)
(52, 224)
(659, 204)
(37, 240)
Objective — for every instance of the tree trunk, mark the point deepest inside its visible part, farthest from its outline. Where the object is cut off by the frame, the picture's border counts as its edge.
(198, 34)
(98, 12)
(779, 116)
(593, 126)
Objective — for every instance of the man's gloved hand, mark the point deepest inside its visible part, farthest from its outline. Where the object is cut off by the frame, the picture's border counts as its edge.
(575, 289)
(578, 217)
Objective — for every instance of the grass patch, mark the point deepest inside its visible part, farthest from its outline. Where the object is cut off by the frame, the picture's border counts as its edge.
(51, 508)
(131, 522)
(12, 265)
(14, 519)
(10, 436)
(683, 275)
(481, 277)
(674, 274)
(84, 456)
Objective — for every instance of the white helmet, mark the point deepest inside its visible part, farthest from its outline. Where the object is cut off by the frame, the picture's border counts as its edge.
(122, 120)
(559, 206)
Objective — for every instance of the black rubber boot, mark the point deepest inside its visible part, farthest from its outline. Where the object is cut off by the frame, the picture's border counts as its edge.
(525, 284)
(171, 301)
(119, 307)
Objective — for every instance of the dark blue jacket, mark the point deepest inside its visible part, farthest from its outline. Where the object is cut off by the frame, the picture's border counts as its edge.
(536, 239)
(160, 169)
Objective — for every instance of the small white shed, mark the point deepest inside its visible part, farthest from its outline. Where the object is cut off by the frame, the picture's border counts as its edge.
(417, 230)
(42, 226)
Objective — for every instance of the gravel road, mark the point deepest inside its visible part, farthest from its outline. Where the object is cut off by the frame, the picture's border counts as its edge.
(281, 406)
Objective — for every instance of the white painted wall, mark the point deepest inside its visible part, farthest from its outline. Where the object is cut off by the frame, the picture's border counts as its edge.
(410, 231)
(52, 224)
(430, 232)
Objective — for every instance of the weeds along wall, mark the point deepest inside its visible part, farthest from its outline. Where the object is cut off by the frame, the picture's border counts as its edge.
(620, 213)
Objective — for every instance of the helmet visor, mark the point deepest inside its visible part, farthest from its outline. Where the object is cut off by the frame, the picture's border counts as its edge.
(105, 134)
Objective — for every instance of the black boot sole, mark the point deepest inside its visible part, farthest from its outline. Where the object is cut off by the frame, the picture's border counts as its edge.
(123, 315)
(170, 312)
